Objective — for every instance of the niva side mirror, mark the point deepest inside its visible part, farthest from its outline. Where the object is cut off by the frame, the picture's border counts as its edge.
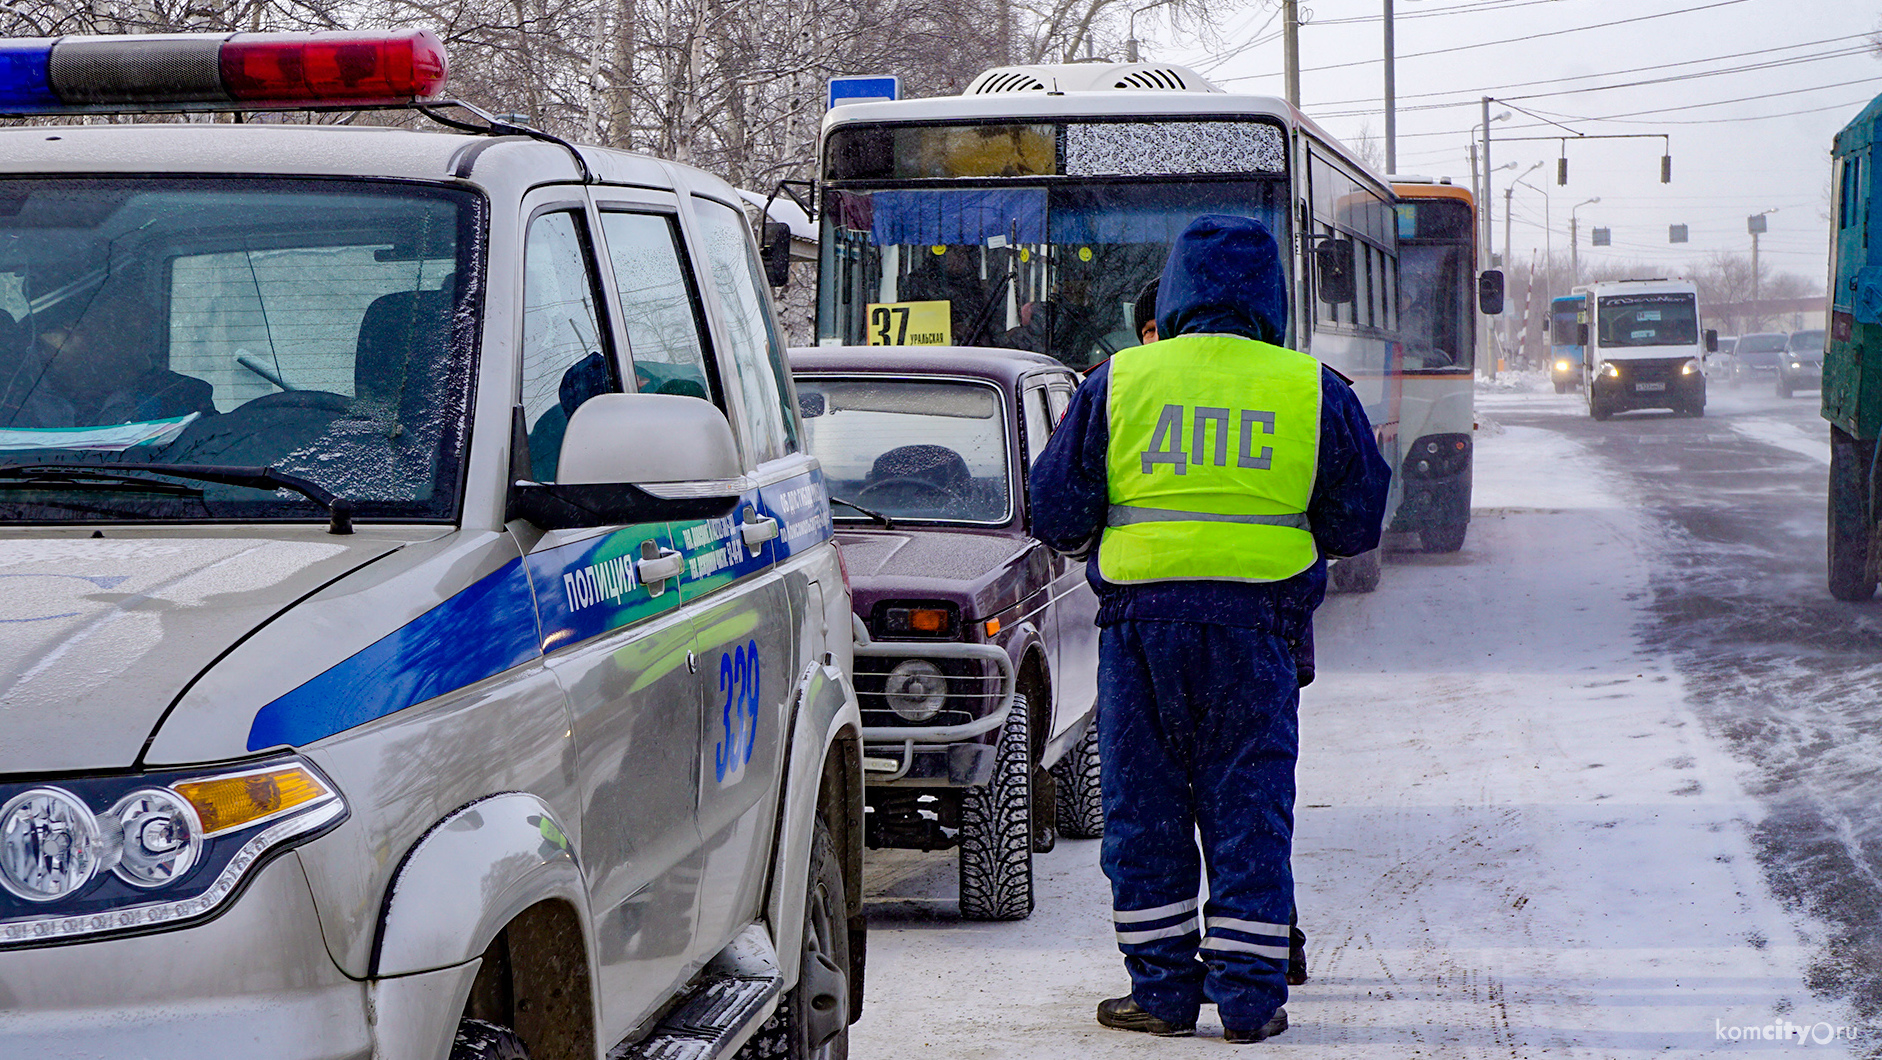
(1333, 260)
(1490, 292)
(776, 251)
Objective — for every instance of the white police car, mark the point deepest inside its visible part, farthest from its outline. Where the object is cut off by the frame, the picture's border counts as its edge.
(420, 632)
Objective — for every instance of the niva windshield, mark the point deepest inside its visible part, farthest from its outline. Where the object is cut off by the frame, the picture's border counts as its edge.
(1054, 269)
(912, 450)
(320, 328)
(1648, 320)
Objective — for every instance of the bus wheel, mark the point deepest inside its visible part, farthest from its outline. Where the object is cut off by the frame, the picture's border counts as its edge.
(1850, 528)
(1358, 574)
(1561, 388)
(1443, 537)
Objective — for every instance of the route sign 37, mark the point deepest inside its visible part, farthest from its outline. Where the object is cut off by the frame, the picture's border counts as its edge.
(911, 323)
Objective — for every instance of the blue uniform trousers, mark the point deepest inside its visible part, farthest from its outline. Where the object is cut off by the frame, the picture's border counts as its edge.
(1198, 730)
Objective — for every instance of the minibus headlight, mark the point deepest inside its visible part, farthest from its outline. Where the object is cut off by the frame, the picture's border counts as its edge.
(1611, 370)
(1689, 368)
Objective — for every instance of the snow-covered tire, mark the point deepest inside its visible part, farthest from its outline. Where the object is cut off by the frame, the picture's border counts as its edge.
(479, 1040)
(1356, 574)
(1081, 805)
(996, 836)
(819, 1000)
(1849, 530)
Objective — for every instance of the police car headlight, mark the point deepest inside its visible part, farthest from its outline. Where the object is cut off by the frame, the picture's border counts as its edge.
(916, 689)
(99, 855)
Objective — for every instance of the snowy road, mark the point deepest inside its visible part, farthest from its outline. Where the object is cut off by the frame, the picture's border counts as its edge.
(1551, 787)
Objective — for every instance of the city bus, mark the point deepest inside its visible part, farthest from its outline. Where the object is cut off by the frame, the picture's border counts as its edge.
(1030, 211)
(1566, 351)
(1437, 256)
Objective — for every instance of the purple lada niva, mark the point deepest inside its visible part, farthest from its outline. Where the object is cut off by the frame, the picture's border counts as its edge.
(977, 654)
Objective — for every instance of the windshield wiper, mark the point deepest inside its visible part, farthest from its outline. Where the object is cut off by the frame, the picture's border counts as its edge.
(339, 509)
(887, 523)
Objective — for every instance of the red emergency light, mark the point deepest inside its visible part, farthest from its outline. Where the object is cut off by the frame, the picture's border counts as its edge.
(243, 71)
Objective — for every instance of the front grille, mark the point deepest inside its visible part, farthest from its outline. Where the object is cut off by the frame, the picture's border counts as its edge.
(974, 690)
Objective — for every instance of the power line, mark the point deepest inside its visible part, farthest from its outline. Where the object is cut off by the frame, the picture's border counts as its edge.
(1507, 40)
(1465, 9)
(1496, 92)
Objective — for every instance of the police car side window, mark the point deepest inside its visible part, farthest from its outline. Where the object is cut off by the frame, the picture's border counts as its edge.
(659, 305)
(756, 352)
(564, 362)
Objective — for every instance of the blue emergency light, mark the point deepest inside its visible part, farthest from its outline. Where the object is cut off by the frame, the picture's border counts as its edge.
(241, 71)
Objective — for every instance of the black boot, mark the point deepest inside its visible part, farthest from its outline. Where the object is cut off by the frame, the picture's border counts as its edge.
(1125, 1014)
(1296, 956)
(1275, 1025)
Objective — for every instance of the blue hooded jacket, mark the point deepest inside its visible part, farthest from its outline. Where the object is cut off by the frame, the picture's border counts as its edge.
(1223, 277)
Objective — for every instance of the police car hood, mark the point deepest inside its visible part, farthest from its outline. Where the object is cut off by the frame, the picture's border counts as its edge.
(99, 636)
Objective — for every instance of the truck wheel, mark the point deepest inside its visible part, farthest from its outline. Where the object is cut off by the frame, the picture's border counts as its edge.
(1849, 523)
(1358, 574)
(812, 1021)
(996, 834)
(1561, 388)
(478, 1040)
(1081, 805)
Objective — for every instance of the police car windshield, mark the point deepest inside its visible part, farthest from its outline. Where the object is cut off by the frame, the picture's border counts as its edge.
(914, 450)
(1055, 269)
(316, 327)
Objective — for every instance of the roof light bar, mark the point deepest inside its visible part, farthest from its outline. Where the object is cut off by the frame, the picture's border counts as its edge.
(243, 71)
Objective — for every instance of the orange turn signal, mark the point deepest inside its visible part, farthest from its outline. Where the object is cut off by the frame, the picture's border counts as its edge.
(993, 627)
(226, 803)
(928, 620)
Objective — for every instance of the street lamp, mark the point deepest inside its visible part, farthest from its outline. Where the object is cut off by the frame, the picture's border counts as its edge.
(1574, 240)
(1489, 244)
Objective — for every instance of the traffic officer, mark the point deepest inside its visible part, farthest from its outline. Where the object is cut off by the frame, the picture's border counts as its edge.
(1216, 471)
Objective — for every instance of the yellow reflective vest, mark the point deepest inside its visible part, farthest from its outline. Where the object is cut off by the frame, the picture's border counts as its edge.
(1214, 444)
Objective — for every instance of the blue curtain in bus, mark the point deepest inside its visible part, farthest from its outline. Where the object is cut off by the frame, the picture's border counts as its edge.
(955, 217)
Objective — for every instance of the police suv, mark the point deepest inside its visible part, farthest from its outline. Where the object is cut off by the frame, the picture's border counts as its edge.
(420, 631)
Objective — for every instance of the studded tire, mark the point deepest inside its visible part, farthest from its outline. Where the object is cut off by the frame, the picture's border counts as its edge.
(1081, 803)
(812, 1021)
(480, 1040)
(996, 836)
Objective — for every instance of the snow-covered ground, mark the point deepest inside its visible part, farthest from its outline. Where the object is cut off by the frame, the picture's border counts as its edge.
(1513, 839)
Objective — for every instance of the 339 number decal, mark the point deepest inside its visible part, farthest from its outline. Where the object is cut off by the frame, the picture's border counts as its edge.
(739, 682)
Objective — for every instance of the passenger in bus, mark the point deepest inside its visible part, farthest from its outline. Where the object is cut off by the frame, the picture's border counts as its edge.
(97, 367)
(1214, 471)
(1144, 313)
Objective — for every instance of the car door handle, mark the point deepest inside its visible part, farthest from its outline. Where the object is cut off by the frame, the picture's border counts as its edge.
(757, 529)
(656, 565)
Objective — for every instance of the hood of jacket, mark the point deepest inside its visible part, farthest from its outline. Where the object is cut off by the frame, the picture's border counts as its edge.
(1223, 278)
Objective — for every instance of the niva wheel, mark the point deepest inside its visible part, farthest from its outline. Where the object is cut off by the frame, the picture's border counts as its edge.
(1081, 803)
(996, 836)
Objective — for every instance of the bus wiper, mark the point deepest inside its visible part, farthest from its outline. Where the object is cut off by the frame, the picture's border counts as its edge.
(339, 509)
(887, 523)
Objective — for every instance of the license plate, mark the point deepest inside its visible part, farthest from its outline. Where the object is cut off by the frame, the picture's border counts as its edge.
(1648, 387)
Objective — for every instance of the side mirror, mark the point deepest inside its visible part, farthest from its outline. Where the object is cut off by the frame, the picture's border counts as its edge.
(1581, 335)
(811, 404)
(1712, 341)
(1490, 292)
(776, 250)
(1333, 259)
(618, 453)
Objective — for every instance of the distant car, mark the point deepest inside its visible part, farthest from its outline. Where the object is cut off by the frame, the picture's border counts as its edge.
(1801, 368)
(1719, 363)
(1755, 357)
(976, 662)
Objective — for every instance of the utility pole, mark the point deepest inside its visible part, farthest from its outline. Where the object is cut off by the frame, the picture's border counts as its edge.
(1489, 198)
(1391, 96)
(1290, 35)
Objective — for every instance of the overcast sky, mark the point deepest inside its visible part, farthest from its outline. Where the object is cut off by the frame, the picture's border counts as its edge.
(1742, 142)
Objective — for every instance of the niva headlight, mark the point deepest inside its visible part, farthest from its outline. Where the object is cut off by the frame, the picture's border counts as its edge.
(916, 690)
(102, 855)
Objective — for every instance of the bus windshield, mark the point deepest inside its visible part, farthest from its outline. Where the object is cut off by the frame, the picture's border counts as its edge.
(1054, 268)
(1669, 319)
(1566, 316)
(1434, 305)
